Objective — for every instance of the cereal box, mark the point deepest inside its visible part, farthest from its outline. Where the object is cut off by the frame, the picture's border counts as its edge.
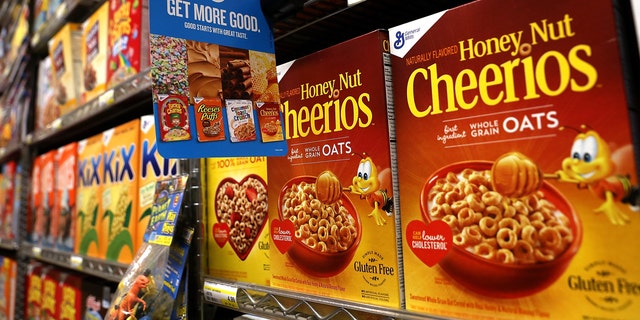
(128, 39)
(89, 196)
(209, 119)
(8, 269)
(120, 191)
(333, 227)
(50, 294)
(237, 232)
(517, 188)
(65, 194)
(36, 232)
(152, 167)
(70, 301)
(96, 298)
(49, 221)
(33, 293)
(66, 66)
(47, 106)
(9, 176)
(95, 36)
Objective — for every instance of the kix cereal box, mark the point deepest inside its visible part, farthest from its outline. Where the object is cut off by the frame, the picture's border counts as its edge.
(128, 51)
(70, 300)
(95, 36)
(120, 191)
(152, 166)
(66, 66)
(333, 226)
(33, 290)
(65, 193)
(8, 270)
(237, 219)
(48, 214)
(89, 197)
(516, 158)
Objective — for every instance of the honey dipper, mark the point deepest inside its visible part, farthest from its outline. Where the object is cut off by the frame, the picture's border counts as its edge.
(328, 187)
(515, 175)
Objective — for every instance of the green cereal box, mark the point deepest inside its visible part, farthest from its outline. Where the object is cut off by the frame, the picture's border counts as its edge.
(152, 167)
(237, 235)
(88, 197)
(120, 193)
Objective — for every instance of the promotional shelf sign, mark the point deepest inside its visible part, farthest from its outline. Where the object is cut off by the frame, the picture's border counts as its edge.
(214, 80)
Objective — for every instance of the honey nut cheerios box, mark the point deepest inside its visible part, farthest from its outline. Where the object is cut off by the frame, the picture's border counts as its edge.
(95, 37)
(152, 166)
(331, 210)
(517, 161)
(89, 197)
(237, 245)
(120, 191)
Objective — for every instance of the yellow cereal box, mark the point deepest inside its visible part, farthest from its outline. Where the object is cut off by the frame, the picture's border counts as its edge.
(120, 193)
(237, 232)
(95, 37)
(66, 66)
(88, 196)
(152, 167)
(517, 151)
(333, 228)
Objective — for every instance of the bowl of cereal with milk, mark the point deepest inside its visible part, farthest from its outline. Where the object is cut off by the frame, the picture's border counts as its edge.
(503, 246)
(326, 235)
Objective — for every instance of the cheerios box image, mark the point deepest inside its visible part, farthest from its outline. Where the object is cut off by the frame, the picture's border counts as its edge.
(152, 167)
(95, 37)
(331, 209)
(517, 162)
(120, 191)
(89, 197)
(237, 245)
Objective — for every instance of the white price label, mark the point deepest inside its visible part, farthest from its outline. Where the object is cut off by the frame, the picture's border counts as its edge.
(76, 262)
(221, 294)
(106, 98)
(37, 252)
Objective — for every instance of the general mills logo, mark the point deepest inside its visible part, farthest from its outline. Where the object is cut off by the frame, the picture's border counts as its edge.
(399, 43)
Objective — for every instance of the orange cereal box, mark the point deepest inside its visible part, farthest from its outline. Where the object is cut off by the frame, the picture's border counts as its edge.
(120, 191)
(517, 161)
(49, 215)
(65, 194)
(89, 196)
(152, 167)
(66, 66)
(36, 231)
(237, 231)
(332, 223)
(8, 269)
(95, 37)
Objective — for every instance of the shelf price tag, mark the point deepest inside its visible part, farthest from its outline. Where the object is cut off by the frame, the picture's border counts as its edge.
(106, 98)
(219, 293)
(76, 262)
(37, 252)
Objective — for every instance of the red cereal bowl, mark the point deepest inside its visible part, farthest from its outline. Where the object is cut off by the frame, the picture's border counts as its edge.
(493, 278)
(312, 261)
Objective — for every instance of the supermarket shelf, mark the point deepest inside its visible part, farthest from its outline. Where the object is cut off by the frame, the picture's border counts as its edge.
(109, 270)
(275, 303)
(8, 244)
(69, 10)
(126, 100)
(11, 151)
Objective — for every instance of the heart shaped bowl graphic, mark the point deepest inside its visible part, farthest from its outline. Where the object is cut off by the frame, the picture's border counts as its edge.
(242, 205)
(499, 273)
(307, 254)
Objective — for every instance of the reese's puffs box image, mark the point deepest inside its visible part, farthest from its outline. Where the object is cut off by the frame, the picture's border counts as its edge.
(331, 209)
(236, 219)
(516, 162)
(120, 191)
